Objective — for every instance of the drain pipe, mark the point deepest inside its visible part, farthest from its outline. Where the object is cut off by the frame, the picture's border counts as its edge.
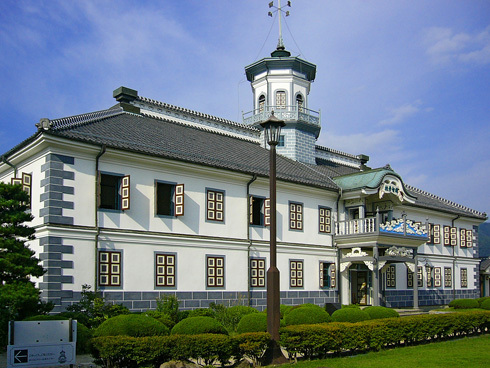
(339, 277)
(4, 160)
(454, 261)
(249, 239)
(96, 212)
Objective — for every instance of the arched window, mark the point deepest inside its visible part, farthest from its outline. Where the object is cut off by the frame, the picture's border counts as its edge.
(299, 102)
(261, 103)
(281, 99)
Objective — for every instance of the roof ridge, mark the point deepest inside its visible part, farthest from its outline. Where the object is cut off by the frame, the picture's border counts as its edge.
(197, 113)
(447, 201)
(77, 120)
(320, 173)
(198, 127)
(324, 148)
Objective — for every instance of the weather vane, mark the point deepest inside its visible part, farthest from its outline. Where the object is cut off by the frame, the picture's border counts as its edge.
(280, 43)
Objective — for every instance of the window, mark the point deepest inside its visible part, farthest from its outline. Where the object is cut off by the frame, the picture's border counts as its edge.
(420, 277)
(324, 221)
(114, 192)
(215, 271)
(430, 278)
(454, 236)
(447, 235)
(296, 274)
(328, 275)
(437, 277)
(109, 268)
(26, 183)
(391, 276)
(437, 234)
(261, 103)
(257, 272)
(430, 234)
(299, 102)
(469, 238)
(448, 282)
(215, 205)
(281, 141)
(169, 199)
(295, 216)
(281, 99)
(165, 270)
(464, 278)
(260, 211)
(462, 238)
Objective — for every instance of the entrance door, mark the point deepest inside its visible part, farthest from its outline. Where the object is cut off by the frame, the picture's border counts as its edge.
(362, 287)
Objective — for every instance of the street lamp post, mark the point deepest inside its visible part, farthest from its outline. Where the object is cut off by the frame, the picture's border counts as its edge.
(272, 129)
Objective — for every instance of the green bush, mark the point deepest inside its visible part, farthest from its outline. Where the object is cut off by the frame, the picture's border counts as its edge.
(197, 326)
(201, 312)
(464, 303)
(134, 325)
(83, 333)
(307, 315)
(253, 345)
(254, 322)
(355, 306)
(285, 309)
(482, 299)
(234, 314)
(350, 315)
(486, 304)
(161, 317)
(380, 312)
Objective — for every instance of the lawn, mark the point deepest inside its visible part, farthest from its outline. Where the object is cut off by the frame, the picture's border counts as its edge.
(467, 352)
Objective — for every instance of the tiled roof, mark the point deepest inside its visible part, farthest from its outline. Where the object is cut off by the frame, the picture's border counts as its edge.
(169, 139)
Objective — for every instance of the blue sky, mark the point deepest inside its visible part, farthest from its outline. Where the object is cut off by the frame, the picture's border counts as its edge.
(405, 82)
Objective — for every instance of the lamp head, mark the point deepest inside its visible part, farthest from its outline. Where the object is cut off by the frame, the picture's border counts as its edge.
(272, 128)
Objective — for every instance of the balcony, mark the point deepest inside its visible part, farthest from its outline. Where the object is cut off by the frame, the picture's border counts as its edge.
(286, 113)
(403, 232)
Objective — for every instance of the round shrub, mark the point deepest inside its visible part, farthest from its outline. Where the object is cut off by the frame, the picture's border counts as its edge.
(83, 333)
(482, 299)
(198, 325)
(307, 316)
(380, 312)
(285, 309)
(134, 325)
(161, 317)
(486, 304)
(355, 306)
(253, 322)
(350, 315)
(464, 303)
(201, 312)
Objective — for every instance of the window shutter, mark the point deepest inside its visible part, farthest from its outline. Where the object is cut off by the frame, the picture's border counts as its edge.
(469, 238)
(16, 181)
(437, 276)
(447, 235)
(179, 200)
(27, 184)
(322, 265)
(267, 212)
(454, 236)
(430, 233)
(125, 193)
(409, 278)
(462, 238)
(99, 178)
(250, 209)
(437, 234)
(333, 276)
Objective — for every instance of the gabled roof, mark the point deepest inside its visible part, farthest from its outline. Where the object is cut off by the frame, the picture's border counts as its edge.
(364, 179)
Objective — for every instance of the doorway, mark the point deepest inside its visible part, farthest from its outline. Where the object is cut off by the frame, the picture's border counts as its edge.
(360, 285)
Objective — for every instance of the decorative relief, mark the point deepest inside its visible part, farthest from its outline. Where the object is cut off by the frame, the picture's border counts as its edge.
(354, 202)
(397, 227)
(369, 265)
(344, 266)
(399, 252)
(383, 206)
(356, 252)
(392, 186)
(411, 266)
(381, 264)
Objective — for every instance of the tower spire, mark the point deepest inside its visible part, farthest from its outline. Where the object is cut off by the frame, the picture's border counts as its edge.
(280, 42)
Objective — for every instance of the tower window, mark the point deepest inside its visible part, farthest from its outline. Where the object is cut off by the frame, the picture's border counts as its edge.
(261, 103)
(281, 141)
(300, 102)
(281, 99)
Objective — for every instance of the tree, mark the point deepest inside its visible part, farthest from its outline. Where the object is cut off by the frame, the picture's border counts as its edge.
(19, 298)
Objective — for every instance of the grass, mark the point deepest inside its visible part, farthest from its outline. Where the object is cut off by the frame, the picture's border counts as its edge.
(469, 352)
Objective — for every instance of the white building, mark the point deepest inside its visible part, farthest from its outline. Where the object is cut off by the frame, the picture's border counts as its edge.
(145, 199)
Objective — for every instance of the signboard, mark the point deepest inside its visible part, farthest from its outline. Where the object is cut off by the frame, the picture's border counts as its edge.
(41, 343)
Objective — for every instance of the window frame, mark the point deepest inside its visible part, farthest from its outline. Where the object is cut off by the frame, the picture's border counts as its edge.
(391, 280)
(175, 202)
(215, 274)
(120, 198)
(330, 272)
(448, 277)
(265, 211)
(261, 102)
(296, 274)
(110, 263)
(294, 213)
(463, 277)
(276, 96)
(260, 272)
(166, 273)
(437, 277)
(324, 217)
(214, 202)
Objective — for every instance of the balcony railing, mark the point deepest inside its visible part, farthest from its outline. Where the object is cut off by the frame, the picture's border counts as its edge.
(286, 113)
(372, 225)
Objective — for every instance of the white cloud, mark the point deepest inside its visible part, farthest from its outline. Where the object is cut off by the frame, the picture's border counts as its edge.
(444, 46)
(401, 113)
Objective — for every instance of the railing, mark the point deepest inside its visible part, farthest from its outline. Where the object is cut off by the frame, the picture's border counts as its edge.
(357, 226)
(368, 225)
(286, 113)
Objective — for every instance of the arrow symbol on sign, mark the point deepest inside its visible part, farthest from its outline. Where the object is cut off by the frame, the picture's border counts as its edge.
(21, 356)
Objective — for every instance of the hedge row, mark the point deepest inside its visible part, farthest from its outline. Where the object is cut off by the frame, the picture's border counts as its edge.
(320, 339)
(152, 351)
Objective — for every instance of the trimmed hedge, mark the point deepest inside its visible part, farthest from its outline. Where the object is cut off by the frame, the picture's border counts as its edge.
(135, 325)
(197, 326)
(134, 352)
(486, 304)
(350, 315)
(254, 322)
(318, 340)
(307, 316)
(161, 317)
(464, 304)
(482, 299)
(379, 312)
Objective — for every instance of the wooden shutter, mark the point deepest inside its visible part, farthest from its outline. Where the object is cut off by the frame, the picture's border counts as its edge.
(437, 234)
(322, 266)
(437, 276)
(447, 235)
(469, 238)
(454, 236)
(430, 233)
(99, 178)
(428, 271)
(420, 277)
(267, 212)
(179, 200)
(462, 238)
(125, 193)
(333, 276)
(251, 210)
(409, 278)
(16, 181)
